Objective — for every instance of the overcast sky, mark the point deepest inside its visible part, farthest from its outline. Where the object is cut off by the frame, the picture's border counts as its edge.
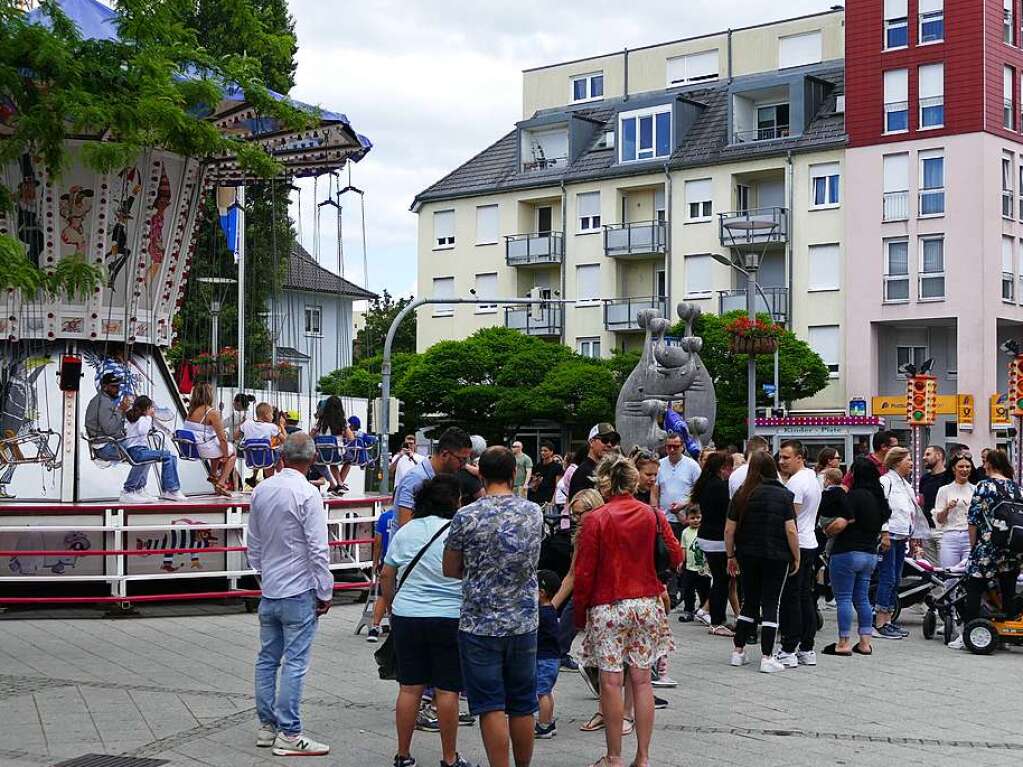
(432, 82)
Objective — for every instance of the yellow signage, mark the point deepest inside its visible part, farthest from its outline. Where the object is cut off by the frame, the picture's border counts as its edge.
(967, 409)
(1000, 418)
(948, 404)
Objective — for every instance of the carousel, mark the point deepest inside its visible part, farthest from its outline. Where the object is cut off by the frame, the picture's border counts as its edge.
(64, 534)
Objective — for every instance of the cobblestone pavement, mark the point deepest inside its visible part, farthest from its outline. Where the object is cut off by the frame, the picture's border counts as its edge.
(176, 685)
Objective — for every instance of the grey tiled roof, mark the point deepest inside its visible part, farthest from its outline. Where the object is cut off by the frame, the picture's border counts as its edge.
(706, 143)
(305, 274)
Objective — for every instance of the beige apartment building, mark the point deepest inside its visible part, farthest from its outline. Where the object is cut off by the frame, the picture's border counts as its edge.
(629, 171)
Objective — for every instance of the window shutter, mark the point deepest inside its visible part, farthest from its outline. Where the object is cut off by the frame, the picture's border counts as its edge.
(896, 87)
(698, 191)
(698, 274)
(895, 9)
(824, 169)
(487, 224)
(588, 204)
(896, 172)
(1007, 83)
(796, 50)
(825, 267)
(443, 287)
(824, 339)
(587, 282)
(702, 66)
(443, 224)
(932, 81)
(929, 6)
(1007, 243)
(486, 286)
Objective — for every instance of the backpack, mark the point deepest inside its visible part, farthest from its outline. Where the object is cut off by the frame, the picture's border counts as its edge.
(1007, 525)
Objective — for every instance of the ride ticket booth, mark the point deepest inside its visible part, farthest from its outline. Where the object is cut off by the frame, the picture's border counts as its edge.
(849, 435)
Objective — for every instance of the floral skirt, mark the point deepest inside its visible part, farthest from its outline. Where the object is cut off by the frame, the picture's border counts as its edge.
(632, 632)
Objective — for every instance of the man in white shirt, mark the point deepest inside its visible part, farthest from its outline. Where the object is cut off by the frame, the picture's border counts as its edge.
(737, 477)
(406, 459)
(676, 476)
(798, 600)
(287, 546)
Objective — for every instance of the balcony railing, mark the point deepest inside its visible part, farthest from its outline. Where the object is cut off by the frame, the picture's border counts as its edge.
(623, 313)
(539, 319)
(896, 206)
(544, 163)
(777, 303)
(541, 249)
(642, 238)
(761, 134)
(760, 226)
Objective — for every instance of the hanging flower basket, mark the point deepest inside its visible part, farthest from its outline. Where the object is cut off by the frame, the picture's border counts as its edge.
(748, 336)
(266, 371)
(205, 365)
(227, 361)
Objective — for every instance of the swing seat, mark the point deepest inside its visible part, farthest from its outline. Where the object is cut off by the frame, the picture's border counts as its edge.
(359, 450)
(123, 456)
(259, 454)
(330, 450)
(188, 446)
(11, 453)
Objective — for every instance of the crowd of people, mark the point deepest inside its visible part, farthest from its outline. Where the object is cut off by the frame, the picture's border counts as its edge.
(474, 611)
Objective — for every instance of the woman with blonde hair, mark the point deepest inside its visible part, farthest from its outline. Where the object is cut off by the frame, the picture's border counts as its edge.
(898, 491)
(205, 423)
(617, 599)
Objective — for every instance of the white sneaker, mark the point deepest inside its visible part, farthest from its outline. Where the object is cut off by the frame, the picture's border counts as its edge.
(787, 659)
(298, 745)
(664, 681)
(739, 658)
(957, 643)
(266, 735)
(703, 617)
(806, 657)
(769, 665)
(138, 496)
(173, 495)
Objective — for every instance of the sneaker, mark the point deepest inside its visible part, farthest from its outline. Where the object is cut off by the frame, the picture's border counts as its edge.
(685, 617)
(373, 635)
(459, 761)
(900, 628)
(787, 659)
(266, 735)
(887, 631)
(173, 495)
(957, 643)
(702, 616)
(404, 761)
(770, 665)
(806, 658)
(545, 731)
(568, 663)
(739, 658)
(298, 745)
(664, 681)
(592, 679)
(426, 720)
(830, 604)
(137, 496)
(660, 702)
(465, 719)
(721, 631)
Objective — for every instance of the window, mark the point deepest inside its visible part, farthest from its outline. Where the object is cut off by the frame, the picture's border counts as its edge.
(824, 185)
(824, 339)
(486, 288)
(587, 283)
(646, 133)
(1020, 188)
(909, 355)
(825, 267)
(443, 287)
(699, 278)
(896, 187)
(896, 270)
(699, 200)
(661, 283)
(660, 209)
(1008, 114)
(1008, 22)
(932, 21)
(1008, 197)
(693, 67)
(443, 229)
(742, 192)
(896, 103)
(932, 95)
(932, 183)
(588, 87)
(588, 207)
(588, 347)
(314, 321)
(487, 225)
(797, 50)
(1008, 269)
(932, 268)
(772, 121)
(896, 24)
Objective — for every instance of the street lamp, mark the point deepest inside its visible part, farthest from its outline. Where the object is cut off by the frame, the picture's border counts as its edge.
(214, 300)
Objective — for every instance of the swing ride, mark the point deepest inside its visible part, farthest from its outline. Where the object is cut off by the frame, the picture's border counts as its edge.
(138, 223)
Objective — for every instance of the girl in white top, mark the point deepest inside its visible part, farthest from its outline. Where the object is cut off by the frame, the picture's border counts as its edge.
(211, 439)
(951, 508)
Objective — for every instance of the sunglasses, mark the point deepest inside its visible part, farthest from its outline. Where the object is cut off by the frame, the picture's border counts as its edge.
(612, 441)
(673, 447)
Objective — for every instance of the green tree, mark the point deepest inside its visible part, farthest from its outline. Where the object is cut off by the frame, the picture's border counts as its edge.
(801, 373)
(380, 314)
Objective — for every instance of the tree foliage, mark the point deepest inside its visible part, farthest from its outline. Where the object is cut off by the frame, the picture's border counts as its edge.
(801, 373)
(380, 314)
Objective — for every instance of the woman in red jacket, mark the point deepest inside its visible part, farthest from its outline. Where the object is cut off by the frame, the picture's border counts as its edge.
(617, 597)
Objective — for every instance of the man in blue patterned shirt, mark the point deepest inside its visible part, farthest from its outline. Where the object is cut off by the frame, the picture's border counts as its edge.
(494, 546)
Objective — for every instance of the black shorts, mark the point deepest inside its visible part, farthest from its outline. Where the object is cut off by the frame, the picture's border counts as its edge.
(427, 652)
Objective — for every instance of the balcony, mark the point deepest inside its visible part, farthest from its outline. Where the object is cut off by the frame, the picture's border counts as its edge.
(622, 314)
(544, 163)
(539, 319)
(760, 226)
(543, 249)
(769, 133)
(895, 206)
(777, 303)
(642, 239)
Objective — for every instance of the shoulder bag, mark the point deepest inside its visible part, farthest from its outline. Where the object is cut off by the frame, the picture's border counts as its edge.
(1007, 523)
(662, 559)
(385, 657)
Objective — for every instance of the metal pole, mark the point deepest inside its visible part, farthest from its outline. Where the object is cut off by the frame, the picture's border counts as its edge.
(241, 288)
(215, 335)
(777, 393)
(751, 364)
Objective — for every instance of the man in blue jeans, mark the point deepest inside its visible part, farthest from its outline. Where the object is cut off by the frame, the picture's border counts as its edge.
(287, 546)
(494, 545)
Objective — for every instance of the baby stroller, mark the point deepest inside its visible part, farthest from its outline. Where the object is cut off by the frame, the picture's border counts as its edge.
(919, 578)
(944, 603)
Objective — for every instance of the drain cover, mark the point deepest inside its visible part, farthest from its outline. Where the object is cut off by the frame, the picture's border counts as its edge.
(108, 760)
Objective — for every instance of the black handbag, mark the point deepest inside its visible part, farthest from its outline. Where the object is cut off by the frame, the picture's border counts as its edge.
(385, 656)
(662, 559)
(1007, 525)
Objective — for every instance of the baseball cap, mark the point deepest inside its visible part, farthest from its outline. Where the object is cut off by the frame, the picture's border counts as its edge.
(354, 422)
(604, 431)
(291, 415)
(110, 378)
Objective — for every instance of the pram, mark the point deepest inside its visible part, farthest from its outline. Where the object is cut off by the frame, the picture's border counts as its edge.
(944, 603)
(919, 579)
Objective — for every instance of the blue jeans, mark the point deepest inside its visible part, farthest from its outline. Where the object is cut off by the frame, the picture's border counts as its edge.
(850, 580)
(889, 574)
(286, 630)
(168, 469)
(499, 673)
(566, 629)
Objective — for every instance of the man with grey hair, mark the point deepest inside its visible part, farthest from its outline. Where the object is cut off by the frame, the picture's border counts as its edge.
(287, 546)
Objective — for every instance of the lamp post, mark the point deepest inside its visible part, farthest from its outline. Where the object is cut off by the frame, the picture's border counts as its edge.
(214, 303)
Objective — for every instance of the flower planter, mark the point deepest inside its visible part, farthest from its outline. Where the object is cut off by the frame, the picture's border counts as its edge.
(206, 369)
(228, 368)
(757, 345)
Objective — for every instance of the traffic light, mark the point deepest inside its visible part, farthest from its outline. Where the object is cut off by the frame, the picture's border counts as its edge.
(921, 400)
(1016, 386)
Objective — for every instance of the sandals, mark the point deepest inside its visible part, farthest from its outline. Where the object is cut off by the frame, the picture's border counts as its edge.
(832, 649)
(628, 726)
(594, 724)
(856, 649)
(721, 631)
(606, 761)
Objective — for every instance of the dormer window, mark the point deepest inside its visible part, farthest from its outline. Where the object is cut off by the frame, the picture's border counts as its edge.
(645, 133)
(588, 87)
